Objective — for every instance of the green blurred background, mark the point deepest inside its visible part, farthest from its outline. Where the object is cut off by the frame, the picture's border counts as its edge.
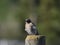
(44, 13)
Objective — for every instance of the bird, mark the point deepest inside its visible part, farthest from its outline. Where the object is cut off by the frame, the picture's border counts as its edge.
(30, 27)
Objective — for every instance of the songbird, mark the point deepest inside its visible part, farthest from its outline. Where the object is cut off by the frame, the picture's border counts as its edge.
(30, 27)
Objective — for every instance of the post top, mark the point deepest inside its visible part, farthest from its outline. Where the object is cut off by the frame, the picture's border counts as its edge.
(34, 37)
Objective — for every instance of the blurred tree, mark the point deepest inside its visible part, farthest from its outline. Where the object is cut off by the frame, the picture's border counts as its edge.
(33, 4)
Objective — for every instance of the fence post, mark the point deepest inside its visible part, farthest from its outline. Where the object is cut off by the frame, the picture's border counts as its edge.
(35, 40)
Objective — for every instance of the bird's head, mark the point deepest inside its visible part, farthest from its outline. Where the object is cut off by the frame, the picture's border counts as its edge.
(28, 20)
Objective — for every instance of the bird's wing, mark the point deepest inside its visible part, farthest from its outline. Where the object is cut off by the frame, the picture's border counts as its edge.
(34, 26)
(34, 29)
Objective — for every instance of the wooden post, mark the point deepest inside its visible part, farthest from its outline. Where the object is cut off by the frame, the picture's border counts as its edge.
(35, 40)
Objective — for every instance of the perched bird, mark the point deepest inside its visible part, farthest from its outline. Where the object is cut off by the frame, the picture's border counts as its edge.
(30, 27)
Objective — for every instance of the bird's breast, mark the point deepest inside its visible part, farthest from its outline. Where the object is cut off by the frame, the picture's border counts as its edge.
(28, 26)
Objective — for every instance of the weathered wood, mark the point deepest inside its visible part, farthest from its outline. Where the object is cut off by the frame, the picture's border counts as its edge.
(35, 40)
